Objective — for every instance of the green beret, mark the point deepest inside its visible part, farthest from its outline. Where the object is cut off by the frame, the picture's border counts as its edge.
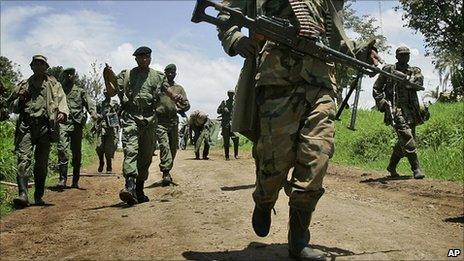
(142, 50)
(70, 70)
(40, 58)
(402, 49)
(170, 67)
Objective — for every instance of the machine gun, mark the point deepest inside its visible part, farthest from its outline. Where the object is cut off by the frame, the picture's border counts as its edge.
(283, 32)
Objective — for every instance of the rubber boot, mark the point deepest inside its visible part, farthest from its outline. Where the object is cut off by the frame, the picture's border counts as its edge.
(167, 179)
(128, 194)
(21, 201)
(235, 148)
(63, 168)
(261, 220)
(394, 160)
(299, 236)
(39, 189)
(141, 197)
(76, 176)
(197, 155)
(109, 165)
(101, 164)
(206, 153)
(226, 152)
(414, 162)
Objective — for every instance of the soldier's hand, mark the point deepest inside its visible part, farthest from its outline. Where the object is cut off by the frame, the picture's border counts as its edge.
(375, 58)
(61, 117)
(246, 47)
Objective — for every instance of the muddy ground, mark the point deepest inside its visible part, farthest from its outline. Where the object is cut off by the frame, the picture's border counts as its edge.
(207, 216)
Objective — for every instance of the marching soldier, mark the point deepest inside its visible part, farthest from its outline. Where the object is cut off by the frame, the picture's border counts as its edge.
(167, 131)
(41, 105)
(200, 125)
(285, 105)
(71, 131)
(225, 109)
(400, 104)
(107, 129)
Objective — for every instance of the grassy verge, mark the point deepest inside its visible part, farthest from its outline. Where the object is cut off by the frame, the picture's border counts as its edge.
(8, 165)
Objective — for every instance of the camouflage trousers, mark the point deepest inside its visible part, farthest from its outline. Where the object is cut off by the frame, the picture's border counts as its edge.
(201, 137)
(138, 140)
(107, 145)
(32, 140)
(406, 132)
(296, 131)
(168, 139)
(70, 138)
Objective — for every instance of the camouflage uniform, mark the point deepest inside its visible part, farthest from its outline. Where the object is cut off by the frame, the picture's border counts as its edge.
(38, 104)
(225, 109)
(407, 113)
(139, 92)
(285, 104)
(167, 130)
(71, 131)
(200, 125)
(107, 136)
(4, 112)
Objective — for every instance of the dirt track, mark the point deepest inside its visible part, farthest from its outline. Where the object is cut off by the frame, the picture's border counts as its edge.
(361, 216)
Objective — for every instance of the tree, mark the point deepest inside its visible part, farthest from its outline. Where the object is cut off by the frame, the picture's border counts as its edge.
(9, 73)
(442, 24)
(93, 83)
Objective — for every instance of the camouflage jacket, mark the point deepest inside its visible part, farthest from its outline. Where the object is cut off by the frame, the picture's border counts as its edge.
(46, 100)
(277, 65)
(140, 93)
(406, 101)
(226, 109)
(78, 99)
(167, 109)
(199, 120)
(104, 108)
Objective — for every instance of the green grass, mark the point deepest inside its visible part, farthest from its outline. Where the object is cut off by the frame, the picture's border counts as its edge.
(8, 164)
(440, 142)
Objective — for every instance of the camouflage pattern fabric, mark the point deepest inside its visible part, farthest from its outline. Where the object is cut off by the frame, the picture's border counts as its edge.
(226, 109)
(139, 93)
(107, 136)
(200, 125)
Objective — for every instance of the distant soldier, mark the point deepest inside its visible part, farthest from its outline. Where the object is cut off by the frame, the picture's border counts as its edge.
(400, 104)
(167, 131)
(4, 112)
(139, 90)
(41, 105)
(200, 125)
(79, 103)
(225, 110)
(107, 129)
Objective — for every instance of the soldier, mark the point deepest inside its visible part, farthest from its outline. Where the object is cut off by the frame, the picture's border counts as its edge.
(139, 90)
(167, 130)
(285, 104)
(107, 129)
(183, 134)
(400, 104)
(200, 125)
(41, 105)
(71, 131)
(225, 109)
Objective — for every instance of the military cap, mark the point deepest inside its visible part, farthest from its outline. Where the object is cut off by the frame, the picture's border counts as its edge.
(142, 50)
(40, 58)
(70, 70)
(170, 67)
(231, 91)
(402, 49)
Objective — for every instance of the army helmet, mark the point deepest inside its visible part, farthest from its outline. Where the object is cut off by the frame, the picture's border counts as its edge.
(402, 49)
(40, 58)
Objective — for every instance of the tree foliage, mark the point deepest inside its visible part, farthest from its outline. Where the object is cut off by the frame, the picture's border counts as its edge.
(9, 73)
(442, 24)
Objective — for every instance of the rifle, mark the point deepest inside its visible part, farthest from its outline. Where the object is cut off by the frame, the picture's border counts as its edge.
(353, 87)
(283, 32)
(356, 102)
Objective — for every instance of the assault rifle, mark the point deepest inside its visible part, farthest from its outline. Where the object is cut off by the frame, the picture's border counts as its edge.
(283, 32)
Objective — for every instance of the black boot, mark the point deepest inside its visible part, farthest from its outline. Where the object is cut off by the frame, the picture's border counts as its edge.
(101, 163)
(394, 160)
(414, 162)
(127, 194)
(226, 152)
(197, 155)
(261, 220)
(235, 148)
(206, 153)
(299, 236)
(39, 189)
(21, 201)
(63, 168)
(76, 176)
(167, 179)
(141, 197)
(109, 165)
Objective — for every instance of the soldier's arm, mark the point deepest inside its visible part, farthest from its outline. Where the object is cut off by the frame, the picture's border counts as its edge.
(233, 34)
(89, 104)
(378, 92)
(416, 77)
(220, 109)
(62, 104)
(184, 104)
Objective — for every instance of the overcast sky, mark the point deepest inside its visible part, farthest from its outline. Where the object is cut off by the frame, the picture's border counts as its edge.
(75, 33)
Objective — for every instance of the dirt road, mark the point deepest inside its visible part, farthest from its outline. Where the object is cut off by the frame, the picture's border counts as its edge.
(207, 216)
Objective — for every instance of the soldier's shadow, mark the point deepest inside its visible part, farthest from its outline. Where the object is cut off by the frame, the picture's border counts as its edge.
(384, 180)
(239, 187)
(116, 205)
(261, 251)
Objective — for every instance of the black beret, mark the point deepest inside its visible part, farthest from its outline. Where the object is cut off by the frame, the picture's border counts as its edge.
(142, 50)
